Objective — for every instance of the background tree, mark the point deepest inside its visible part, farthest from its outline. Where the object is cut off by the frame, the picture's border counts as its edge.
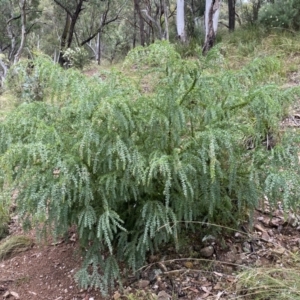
(19, 19)
(72, 11)
(212, 11)
(231, 14)
(180, 21)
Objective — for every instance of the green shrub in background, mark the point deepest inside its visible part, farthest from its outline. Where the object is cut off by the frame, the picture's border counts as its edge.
(25, 84)
(128, 160)
(279, 15)
(77, 57)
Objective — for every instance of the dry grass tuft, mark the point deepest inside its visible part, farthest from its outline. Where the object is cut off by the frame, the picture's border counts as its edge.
(270, 282)
(13, 245)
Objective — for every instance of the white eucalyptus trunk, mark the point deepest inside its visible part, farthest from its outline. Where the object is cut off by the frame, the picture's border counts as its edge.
(180, 20)
(212, 12)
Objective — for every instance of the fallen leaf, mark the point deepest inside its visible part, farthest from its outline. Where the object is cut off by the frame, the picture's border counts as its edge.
(188, 265)
(218, 286)
(206, 289)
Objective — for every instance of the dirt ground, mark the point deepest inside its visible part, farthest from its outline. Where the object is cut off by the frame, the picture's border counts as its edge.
(44, 272)
(205, 270)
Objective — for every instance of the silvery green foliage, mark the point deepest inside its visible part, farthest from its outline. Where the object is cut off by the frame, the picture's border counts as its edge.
(129, 160)
(77, 57)
(276, 15)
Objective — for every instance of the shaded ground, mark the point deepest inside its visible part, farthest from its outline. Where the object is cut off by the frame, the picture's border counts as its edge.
(44, 272)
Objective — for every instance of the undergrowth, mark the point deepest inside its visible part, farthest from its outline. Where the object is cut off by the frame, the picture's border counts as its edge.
(127, 166)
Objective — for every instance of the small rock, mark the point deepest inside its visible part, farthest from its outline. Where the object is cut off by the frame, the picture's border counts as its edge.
(162, 295)
(246, 247)
(292, 220)
(143, 283)
(207, 251)
(266, 221)
(265, 236)
(276, 222)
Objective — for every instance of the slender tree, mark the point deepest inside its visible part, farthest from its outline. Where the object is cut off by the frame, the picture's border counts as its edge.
(137, 8)
(166, 15)
(180, 21)
(22, 5)
(212, 11)
(231, 14)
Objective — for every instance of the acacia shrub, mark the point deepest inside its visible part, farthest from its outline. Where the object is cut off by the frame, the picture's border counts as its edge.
(127, 165)
(276, 15)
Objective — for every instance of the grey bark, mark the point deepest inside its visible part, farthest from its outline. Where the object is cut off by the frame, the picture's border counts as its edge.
(212, 10)
(22, 5)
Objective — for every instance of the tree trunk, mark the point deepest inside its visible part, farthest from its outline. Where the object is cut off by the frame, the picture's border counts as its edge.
(231, 14)
(166, 15)
(212, 10)
(12, 38)
(134, 26)
(22, 5)
(63, 40)
(69, 29)
(255, 9)
(141, 21)
(180, 21)
(156, 23)
(3, 73)
(99, 48)
(74, 18)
